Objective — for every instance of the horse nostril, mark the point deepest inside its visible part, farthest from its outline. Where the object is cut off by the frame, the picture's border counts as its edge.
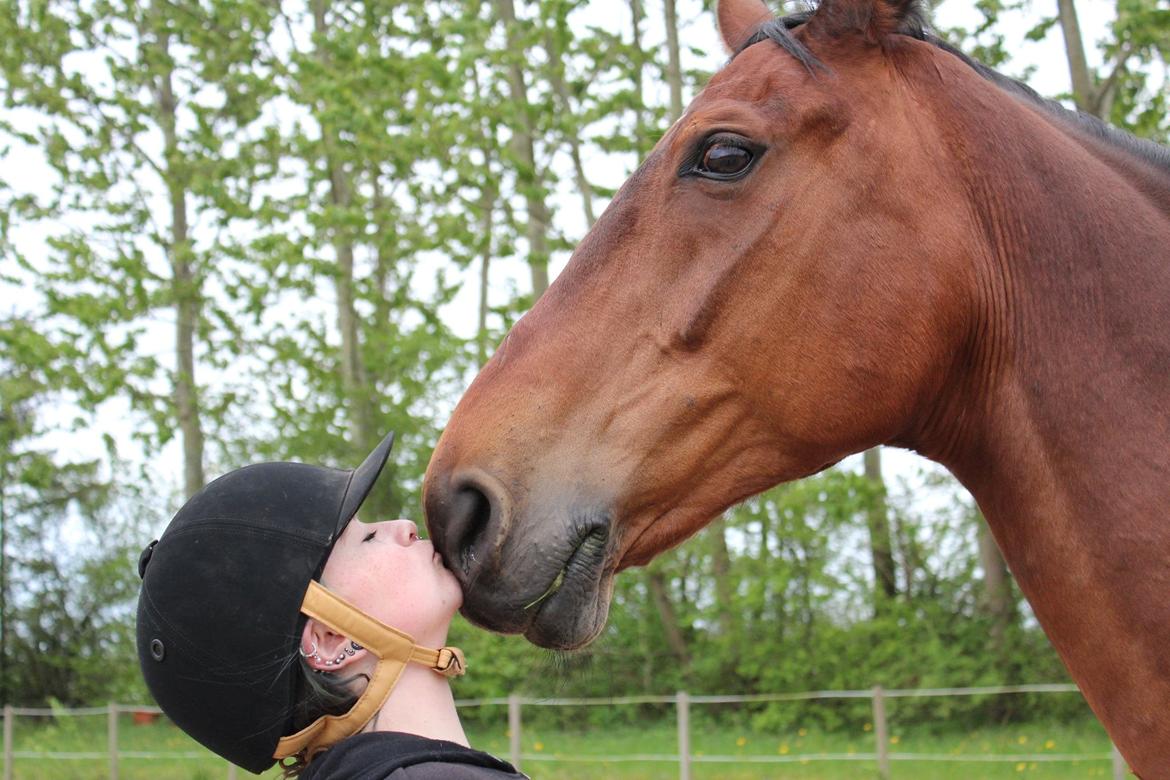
(473, 514)
(466, 513)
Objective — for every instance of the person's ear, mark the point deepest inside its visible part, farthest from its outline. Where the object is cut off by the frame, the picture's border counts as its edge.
(326, 650)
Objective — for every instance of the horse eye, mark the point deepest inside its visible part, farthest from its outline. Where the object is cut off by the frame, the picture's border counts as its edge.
(723, 159)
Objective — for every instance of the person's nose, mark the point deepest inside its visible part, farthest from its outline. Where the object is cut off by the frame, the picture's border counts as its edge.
(405, 531)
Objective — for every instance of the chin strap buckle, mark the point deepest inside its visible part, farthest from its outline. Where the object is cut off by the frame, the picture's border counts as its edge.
(450, 662)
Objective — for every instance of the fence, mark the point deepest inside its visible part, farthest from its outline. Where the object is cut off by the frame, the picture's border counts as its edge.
(882, 757)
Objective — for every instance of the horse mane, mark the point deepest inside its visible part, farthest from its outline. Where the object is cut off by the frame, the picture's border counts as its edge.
(914, 25)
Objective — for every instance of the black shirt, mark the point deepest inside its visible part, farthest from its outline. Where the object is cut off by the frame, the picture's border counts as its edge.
(391, 755)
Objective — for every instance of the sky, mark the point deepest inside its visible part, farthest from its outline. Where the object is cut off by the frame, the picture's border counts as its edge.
(1048, 75)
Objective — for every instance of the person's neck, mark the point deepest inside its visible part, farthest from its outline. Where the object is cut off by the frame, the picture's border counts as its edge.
(421, 703)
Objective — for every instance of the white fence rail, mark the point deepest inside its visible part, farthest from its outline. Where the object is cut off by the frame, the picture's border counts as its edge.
(682, 701)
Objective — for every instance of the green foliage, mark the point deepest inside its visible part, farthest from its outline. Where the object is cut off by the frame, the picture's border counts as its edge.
(67, 542)
(1140, 44)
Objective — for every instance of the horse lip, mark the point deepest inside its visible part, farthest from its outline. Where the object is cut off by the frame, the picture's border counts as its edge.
(582, 571)
(559, 579)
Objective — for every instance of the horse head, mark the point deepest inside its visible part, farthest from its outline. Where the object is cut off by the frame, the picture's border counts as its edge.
(780, 284)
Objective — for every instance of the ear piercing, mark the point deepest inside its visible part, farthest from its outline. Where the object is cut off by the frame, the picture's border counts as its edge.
(349, 651)
(352, 648)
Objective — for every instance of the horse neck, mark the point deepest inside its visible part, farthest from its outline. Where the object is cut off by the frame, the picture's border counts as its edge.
(1060, 424)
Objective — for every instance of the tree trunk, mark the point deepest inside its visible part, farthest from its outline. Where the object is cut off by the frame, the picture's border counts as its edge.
(487, 205)
(353, 372)
(1078, 67)
(488, 196)
(721, 571)
(636, 15)
(674, 61)
(4, 695)
(184, 284)
(1106, 91)
(996, 599)
(384, 259)
(556, 77)
(524, 147)
(656, 584)
(878, 520)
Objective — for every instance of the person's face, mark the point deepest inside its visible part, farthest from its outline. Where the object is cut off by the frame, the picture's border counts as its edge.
(385, 570)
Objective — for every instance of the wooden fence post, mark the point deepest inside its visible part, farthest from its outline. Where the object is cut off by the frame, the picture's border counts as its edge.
(881, 733)
(514, 728)
(1120, 768)
(232, 773)
(683, 706)
(8, 727)
(112, 739)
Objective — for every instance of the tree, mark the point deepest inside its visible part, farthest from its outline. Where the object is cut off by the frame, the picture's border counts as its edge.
(997, 600)
(1119, 93)
(885, 583)
(122, 139)
(65, 631)
(530, 177)
(359, 211)
(674, 61)
(1123, 91)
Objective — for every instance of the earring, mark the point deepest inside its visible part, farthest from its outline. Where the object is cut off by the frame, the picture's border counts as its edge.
(311, 654)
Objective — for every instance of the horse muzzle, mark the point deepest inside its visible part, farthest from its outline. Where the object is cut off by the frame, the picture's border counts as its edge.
(540, 569)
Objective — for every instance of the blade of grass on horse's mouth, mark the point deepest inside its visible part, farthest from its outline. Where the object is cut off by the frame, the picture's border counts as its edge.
(551, 590)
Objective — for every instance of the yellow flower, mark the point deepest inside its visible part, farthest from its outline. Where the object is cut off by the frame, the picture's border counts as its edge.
(1023, 740)
(741, 741)
(1020, 767)
(783, 750)
(867, 727)
(538, 746)
(1049, 744)
(803, 732)
(894, 740)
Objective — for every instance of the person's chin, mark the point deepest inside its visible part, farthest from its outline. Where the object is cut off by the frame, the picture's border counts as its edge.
(452, 593)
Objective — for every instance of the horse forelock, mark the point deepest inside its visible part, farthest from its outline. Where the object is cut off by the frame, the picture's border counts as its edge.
(778, 31)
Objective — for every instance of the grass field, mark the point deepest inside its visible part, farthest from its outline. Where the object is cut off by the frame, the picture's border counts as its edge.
(543, 747)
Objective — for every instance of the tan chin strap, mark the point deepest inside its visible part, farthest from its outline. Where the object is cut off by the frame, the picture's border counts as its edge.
(394, 650)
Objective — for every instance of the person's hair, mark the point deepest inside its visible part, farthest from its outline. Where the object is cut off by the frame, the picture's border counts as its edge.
(318, 694)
